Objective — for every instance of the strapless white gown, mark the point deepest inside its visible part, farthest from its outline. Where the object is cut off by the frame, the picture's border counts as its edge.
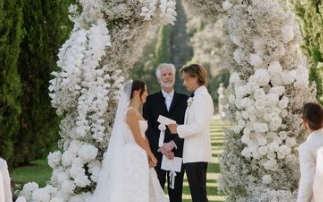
(133, 180)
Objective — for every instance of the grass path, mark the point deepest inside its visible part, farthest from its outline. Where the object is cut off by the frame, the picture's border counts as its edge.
(40, 172)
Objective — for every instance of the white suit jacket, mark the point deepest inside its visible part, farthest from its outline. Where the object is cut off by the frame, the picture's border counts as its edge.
(196, 128)
(318, 179)
(307, 159)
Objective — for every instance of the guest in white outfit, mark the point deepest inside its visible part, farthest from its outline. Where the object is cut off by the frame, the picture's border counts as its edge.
(195, 131)
(312, 121)
(5, 188)
(318, 179)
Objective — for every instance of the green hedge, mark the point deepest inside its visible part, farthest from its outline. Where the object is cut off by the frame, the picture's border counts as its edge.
(10, 87)
(29, 125)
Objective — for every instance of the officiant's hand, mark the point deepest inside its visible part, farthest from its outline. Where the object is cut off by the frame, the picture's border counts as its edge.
(167, 147)
(172, 128)
(170, 155)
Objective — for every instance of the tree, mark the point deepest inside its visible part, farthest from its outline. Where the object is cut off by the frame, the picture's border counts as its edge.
(47, 26)
(10, 87)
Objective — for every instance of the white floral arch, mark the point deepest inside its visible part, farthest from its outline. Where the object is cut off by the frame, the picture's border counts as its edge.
(269, 84)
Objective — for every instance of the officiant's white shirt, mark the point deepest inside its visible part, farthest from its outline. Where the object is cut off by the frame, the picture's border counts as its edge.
(307, 159)
(196, 128)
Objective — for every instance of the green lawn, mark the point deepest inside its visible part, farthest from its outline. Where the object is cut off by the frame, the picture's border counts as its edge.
(40, 172)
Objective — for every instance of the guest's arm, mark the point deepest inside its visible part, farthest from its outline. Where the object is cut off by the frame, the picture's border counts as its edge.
(307, 165)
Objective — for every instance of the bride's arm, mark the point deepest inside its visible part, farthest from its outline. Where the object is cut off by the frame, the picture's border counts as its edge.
(133, 122)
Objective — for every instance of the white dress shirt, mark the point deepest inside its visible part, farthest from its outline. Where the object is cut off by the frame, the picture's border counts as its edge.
(307, 159)
(196, 128)
(168, 98)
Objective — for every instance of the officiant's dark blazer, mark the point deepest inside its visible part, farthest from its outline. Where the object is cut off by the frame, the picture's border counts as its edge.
(155, 106)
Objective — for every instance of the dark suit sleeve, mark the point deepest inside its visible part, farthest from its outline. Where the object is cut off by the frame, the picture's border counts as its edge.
(150, 133)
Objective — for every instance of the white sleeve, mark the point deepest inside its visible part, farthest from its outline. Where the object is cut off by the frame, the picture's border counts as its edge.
(307, 165)
(203, 111)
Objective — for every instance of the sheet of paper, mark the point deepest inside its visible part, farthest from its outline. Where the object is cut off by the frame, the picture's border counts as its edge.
(172, 165)
(164, 120)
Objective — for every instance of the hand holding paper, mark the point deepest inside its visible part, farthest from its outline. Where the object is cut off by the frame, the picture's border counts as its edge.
(164, 120)
(162, 127)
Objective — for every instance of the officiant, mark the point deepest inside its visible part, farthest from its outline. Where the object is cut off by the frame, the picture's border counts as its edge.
(172, 105)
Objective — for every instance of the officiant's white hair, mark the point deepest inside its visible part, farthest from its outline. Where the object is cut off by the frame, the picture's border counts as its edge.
(164, 65)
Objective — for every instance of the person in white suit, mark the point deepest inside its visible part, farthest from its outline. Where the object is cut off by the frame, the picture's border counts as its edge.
(312, 121)
(195, 130)
(318, 179)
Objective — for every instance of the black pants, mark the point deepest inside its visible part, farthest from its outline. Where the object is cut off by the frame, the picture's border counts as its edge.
(196, 175)
(175, 195)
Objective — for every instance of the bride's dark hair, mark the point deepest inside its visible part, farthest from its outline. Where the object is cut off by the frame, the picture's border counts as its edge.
(139, 86)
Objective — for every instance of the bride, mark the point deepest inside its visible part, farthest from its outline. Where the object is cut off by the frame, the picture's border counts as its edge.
(127, 173)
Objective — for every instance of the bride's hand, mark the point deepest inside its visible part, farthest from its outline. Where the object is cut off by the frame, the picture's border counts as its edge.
(152, 161)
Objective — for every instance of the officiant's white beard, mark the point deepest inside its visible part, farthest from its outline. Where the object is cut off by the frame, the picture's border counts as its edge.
(167, 84)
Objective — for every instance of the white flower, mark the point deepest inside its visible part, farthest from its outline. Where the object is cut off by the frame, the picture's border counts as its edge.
(54, 159)
(263, 150)
(56, 199)
(259, 94)
(282, 135)
(246, 152)
(238, 55)
(41, 195)
(266, 179)
(262, 77)
(226, 5)
(189, 101)
(275, 68)
(262, 141)
(68, 187)
(255, 60)
(67, 158)
(290, 142)
(88, 152)
(21, 199)
(82, 180)
(287, 33)
(283, 103)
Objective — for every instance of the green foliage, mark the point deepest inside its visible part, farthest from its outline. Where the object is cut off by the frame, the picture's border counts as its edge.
(47, 26)
(11, 34)
(311, 17)
(163, 47)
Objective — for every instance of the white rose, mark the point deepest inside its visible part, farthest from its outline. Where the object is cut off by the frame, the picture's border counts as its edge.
(282, 135)
(263, 150)
(67, 158)
(262, 141)
(82, 180)
(88, 152)
(266, 179)
(68, 187)
(274, 68)
(287, 33)
(231, 98)
(238, 55)
(283, 103)
(54, 159)
(262, 76)
(56, 199)
(255, 60)
(259, 94)
(41, 195)
(290, 142)
(246, 152)
(245, 115)
(226, 5)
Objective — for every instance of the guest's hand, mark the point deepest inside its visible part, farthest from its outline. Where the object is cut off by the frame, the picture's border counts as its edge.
(167, 147)
(173, 128)
(170, 155)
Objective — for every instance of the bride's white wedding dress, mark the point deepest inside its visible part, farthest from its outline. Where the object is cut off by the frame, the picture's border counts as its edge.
(131, 179)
